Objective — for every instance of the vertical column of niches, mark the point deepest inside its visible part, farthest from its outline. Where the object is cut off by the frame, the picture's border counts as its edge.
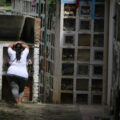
(68, 53)
(97, 57)
(83, 51)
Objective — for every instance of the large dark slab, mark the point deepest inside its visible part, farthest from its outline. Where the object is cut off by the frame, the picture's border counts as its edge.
(11, 27)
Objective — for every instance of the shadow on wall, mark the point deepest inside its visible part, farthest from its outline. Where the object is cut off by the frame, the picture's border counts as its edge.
(14, 28)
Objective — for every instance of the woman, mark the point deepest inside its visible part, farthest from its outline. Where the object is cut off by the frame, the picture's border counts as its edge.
(17, 72)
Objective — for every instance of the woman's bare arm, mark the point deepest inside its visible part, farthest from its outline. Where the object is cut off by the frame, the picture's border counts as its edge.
(11, 45)
(25, 45)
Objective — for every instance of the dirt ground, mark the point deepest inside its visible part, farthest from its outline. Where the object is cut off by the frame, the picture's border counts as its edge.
(39, 112)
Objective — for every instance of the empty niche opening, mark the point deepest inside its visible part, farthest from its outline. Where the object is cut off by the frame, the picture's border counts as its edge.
(99, 10)
(69, 10)
(69, 40)
(66, 98)
(69, 24)
(85, 25)
(98, 55)
(28, 31)
(84, 39)
(97, 70)
(68, 54)
(67, 69)
(85, 11)
(82, 98)
(97, 85)
(83, 55)
(99, 25)
(67, 84)
(96, 99)
(83, 70)
(82, 84)
(98, 41)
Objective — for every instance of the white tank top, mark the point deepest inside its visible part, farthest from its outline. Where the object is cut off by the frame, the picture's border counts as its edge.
(18, 68)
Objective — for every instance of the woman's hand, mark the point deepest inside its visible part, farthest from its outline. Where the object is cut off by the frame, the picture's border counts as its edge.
(13, 44)
(25, 46)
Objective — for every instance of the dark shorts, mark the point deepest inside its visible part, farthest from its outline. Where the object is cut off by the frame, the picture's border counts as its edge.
(21, 81)
(17, 85)
(11, 77)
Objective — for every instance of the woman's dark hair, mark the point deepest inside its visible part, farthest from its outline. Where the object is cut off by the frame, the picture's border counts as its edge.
(18, 48)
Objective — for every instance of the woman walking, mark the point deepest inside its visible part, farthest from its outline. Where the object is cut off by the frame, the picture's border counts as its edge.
(17, 72)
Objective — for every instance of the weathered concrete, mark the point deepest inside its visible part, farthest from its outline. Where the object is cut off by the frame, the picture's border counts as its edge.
(50, 112)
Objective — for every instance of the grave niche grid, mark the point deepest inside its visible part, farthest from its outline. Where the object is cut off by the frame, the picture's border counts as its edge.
(82, 84)
(67, 69)
(67, 98)
(97, 85)
(98, 40)
(84, 39)
(82, 69)
(69, 10)
(96, 99)
(67, 84)
(98, 55)
(82, 98)
(97, 70)
(68, 54)
(99, 26)
(85, 10)
(69, 24)
(99, 10)
(69, 40)
(83, 55)
(85, 25)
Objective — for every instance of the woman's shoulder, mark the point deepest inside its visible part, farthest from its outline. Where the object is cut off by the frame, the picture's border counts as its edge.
(10, 50)
(26, 51)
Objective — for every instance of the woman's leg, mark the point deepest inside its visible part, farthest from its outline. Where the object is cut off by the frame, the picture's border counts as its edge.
(15, 90)
(22, 83)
